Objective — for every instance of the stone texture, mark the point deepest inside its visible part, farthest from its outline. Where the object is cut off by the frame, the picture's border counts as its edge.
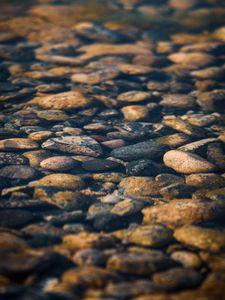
(187, 163)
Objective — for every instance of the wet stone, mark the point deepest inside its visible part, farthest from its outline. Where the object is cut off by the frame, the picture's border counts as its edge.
(187, 258)
(144, 167)
(139, 263)
(138, 186)
(17, 144)
(81, 145)
(178, 101)
(62, 198)
(89, 257)
(186, 211)
(68, 181)
(134, 96)
(88, 240)
(177, 278)
(65, 101)
(177, 191)
(127, 207)
(210, 239)
(18, 172)
(97, 76)
(134, 113)
(148, 149)
(154, 236)
(58, 163)
(187, 163)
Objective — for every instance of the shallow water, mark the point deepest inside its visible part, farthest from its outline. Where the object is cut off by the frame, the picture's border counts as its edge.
(112, 135)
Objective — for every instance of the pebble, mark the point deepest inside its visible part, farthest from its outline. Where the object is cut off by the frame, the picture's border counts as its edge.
(148, 149)
(155, 236)
(144, 167)
(86, 240)
(36, 157)
(127, 207)
(134, 113)
(18, 144)
(138, 186)
(205, 180)
(64, 199)
(98, 165)
(177, 279)
(18, 172)
(134, 96)
(212, 101)
(210, 239)
(187, 163)
(89, 276)
(193, 60)
(177, 191)
(186, 211)
(81, 145)
(178, 101)
(139, 263)
(113, 144)
(66, 101)
(58, 163)
(96, 76)
(89, 257)
(187, 258)
(67, 181)
(11, 242)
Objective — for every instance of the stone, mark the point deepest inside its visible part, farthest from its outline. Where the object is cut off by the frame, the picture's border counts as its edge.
(178, 101)
(134, 113)
(62, 198)
(166, 179)
(210, 239)
(154, 236)
(187, 163)
(18, 144)
(209, 73)
(212, 101)
(144, 167)
(174, 140)
(98, 165)
(36, 157)
(18, 172)
(129, 289)
(9, 158)
(108, 177)
(67, 181)
(97, 76)
(205, 180)
(134, 96)
(89, 257)
(89, 276)
(139, 263)
(127, 207)
(66, 101)
(81, 145)
(15, 218)
(148, 149)
(192, 60)
(186, 211)
(178, 279)
(182, 126)
(85, 240)
(177, 191)
(11, 242)
(113, 144)
(187, 258)
(40, 135)
(138, 186)
(58, 163)
(217, 194)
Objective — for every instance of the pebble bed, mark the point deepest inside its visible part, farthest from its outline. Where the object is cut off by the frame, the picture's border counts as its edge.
(112, 150)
